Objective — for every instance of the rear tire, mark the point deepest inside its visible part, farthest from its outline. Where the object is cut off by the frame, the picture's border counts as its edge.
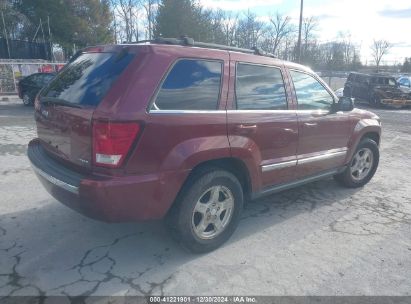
(375, 101)
(207, 211)
(362, 166)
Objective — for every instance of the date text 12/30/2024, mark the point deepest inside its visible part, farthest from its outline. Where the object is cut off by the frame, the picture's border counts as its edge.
(202, 299)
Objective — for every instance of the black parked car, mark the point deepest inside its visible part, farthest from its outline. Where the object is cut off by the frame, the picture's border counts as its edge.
(29, 86)
(377, 89)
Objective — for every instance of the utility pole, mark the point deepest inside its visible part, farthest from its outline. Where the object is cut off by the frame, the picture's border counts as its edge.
(53, 58)
(5, 34)
(299, 33)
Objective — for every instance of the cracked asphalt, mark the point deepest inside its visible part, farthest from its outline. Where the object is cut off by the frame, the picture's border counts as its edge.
(319, 239)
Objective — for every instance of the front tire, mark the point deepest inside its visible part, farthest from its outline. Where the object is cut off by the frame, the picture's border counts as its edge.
(207, 211)
(27, 100)
(362, 166)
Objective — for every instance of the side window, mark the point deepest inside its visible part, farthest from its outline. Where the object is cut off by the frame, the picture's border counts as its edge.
(391, 81)
(191, 85)
(311, 95)
(362, 79)
(259, 88)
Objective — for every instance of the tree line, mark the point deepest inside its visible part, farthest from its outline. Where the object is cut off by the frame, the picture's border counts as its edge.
(276, 35)
(75, 24)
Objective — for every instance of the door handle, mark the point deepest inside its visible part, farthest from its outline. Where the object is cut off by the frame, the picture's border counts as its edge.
(246, 128)
(310, 124)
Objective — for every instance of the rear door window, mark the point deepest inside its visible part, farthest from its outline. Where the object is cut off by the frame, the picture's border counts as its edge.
(87, 79)
(259, 88)
(192, 84)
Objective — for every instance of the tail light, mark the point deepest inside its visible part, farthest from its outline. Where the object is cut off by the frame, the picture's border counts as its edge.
(112, 142)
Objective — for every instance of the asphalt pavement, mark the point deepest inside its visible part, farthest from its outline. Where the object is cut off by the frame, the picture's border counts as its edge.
(319, 239)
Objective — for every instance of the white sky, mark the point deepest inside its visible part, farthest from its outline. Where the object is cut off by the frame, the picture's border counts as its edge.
(365, 20)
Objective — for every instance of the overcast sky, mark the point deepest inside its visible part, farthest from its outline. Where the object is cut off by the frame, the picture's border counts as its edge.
(364, 19)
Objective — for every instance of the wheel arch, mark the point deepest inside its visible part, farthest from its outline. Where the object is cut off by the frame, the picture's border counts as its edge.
(366, 128)
(233, 165)
(373, 135)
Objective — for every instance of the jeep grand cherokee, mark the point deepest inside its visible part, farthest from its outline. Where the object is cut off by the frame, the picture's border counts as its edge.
(187, 131)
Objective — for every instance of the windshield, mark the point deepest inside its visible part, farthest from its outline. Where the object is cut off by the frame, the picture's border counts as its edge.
(87, 79)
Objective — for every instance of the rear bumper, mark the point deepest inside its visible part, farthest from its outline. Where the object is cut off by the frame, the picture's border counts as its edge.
(106, 198)
(396, 102)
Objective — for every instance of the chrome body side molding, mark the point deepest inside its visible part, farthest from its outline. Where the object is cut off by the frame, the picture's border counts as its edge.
(304, 159)
(280, 165)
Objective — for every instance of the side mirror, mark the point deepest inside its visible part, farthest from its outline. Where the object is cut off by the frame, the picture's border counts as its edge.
(345, 104)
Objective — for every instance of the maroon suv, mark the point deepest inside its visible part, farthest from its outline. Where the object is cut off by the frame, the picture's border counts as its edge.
(188, 131)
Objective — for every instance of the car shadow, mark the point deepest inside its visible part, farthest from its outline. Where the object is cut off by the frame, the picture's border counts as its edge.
(55, 251)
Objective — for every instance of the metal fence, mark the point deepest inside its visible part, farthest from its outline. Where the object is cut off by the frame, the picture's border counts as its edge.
(335, 82)
(20, 49)
(12, 72)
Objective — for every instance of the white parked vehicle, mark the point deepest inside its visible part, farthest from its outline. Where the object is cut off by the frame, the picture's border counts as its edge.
(404, 82)
(339, 92)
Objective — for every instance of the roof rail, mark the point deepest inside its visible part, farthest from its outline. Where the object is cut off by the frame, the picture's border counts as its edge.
(260, 52)
(187, 41)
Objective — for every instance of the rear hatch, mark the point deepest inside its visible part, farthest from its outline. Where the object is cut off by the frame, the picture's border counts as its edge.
(65, 107)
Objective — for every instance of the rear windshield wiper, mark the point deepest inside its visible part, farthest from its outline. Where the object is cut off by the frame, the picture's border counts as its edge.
(57, 101)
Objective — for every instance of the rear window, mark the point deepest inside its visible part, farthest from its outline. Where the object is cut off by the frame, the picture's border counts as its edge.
(87, 79)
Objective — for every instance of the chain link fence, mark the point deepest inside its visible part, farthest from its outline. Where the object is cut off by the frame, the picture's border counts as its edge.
(12, 72)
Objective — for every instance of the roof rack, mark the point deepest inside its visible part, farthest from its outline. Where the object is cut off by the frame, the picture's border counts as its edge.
(187, 41)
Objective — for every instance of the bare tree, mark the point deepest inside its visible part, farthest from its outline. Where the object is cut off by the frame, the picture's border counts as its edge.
(310, 25)
(150, 9)
(288, 46)
(280, 28)
(346, 45)
(216, 20)
(250, 30)
(127, 15)
(229, 28)
(379, 48)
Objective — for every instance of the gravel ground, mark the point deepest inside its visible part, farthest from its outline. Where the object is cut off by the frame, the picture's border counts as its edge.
(319, 239)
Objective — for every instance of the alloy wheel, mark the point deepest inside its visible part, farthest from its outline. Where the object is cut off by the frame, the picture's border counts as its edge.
(361, 164)
(213, 212)
(26, 99)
